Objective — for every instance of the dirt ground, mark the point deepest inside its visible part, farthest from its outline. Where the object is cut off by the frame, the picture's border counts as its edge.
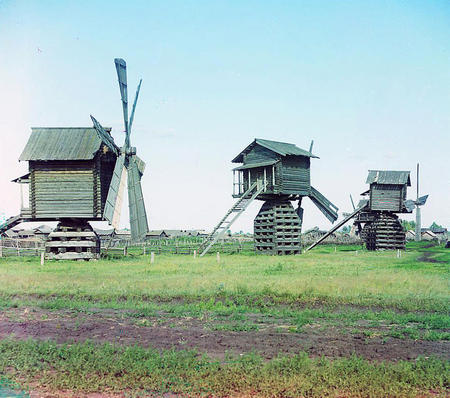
(271, 338)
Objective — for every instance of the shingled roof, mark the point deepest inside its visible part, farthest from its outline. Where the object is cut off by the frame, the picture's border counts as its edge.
(62, 143)
(281, 148)
(389, 177)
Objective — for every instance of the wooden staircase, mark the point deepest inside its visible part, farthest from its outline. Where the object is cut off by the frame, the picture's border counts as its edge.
(11, 222)
(232, 215)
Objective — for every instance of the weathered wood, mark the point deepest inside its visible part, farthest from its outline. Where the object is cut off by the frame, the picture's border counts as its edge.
(283, 234)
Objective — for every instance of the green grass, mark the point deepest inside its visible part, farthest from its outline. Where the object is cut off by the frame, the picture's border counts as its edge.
(322, 276)
(374, 294)
(89, 368)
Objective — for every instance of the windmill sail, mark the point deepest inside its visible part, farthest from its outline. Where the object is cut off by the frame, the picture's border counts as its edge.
(121, 68)
(422, 200)
(104, 136)
(115, 193)
(134, 105)
(138, 215)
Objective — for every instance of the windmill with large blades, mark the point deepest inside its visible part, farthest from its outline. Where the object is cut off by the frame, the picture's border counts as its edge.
(77, 175)
(128, 167)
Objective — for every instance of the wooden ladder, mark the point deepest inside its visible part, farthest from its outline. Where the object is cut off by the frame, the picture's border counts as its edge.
(232, 215)
(11, 222)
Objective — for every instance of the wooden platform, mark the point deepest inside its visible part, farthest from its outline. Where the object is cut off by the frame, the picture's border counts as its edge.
(277, 228)
(73, 240)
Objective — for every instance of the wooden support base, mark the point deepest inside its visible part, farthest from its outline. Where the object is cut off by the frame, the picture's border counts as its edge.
(73, 240)
(384, 233)
(277, 228)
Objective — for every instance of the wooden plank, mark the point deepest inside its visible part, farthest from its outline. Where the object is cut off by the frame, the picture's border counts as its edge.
(71, 243)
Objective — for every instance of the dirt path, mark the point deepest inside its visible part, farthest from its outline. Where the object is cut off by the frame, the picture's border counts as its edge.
(187, 333)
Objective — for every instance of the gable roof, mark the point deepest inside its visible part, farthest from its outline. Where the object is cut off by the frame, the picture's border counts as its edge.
(62, 143)
(389, 177)
(281, 148)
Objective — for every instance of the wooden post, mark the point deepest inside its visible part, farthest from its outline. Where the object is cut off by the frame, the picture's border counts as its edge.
(42, 258)
(152, 257)
(265, 177)
(144, 249)
(218, 258)
(1, 247)
(195, 253)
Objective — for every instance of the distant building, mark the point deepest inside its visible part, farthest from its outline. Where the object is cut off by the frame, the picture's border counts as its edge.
(410, 235)
(429, 235)
(440, 232)
(42, 232)
(157, 234)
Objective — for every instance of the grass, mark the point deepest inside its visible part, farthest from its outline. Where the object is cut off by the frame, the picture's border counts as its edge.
(322, 276)
(353, 290)
(88, 368)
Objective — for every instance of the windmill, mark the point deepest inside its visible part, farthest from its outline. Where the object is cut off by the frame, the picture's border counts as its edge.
(376, 216)
(127, 163)
(276, 173)
(77, 175)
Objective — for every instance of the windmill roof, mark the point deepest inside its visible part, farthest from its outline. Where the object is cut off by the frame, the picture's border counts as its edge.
(62, 143)
(389, 177)
(282, 148)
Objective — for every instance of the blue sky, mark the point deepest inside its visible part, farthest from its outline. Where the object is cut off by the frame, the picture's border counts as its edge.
(368, 81)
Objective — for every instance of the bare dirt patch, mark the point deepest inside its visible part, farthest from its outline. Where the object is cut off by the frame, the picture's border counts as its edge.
(269, 340)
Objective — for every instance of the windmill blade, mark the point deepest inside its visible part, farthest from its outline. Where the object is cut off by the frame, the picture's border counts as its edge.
(409, 205)
(422, 200)
(104, 136)
(113, 203)
(138, 216)
(134, 105)
(121, 68)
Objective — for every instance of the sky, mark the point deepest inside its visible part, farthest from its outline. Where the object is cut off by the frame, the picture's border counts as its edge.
(368, 81)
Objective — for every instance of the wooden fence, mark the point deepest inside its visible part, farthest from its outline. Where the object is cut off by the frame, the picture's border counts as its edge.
(176, 247)
(21, 247)
(184, 246)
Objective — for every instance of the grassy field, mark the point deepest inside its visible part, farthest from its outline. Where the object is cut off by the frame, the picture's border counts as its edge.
(376, 324)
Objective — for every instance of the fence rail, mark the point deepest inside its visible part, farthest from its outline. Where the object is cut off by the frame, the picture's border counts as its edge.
(183, 246)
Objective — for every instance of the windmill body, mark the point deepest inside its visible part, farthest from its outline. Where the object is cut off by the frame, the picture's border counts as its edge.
(378, 222)
(277, 173)
(77, 175)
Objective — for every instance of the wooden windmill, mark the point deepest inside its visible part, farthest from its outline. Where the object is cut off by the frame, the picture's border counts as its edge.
(376, 216)
(77, 175)
(276, 173)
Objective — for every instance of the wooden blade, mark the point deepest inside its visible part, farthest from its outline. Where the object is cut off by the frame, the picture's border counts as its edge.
(113, 203)
(134, 105)
(328, 209)
(104, 136)
(121, 68)
(138, 215)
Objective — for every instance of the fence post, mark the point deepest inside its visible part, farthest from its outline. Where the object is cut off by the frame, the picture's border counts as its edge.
(218, 257)
(42, 258)
(195, 253)
(1, 247)
(152, 257)
(144, 249)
